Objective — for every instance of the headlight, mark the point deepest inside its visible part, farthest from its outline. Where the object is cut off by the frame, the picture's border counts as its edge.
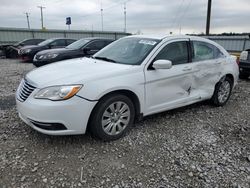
(50, 56)
(56, 93)
(27, 50)
(243, 55)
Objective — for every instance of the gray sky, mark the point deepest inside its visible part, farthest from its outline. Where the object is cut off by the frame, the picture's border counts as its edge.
(147, 16)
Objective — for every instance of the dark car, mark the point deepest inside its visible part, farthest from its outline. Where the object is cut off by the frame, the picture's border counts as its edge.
(11, 50)
(244, 64)
(80, 48)
(27, 53)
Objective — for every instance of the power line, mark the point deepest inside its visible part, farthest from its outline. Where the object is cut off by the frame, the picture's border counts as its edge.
(184, 13)
(107, 8)
(176, 15)
(41, 8)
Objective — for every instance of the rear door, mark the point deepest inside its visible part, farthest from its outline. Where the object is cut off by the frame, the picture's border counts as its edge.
(207, 62)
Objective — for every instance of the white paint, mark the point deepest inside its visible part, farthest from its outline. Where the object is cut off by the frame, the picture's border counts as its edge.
(157, 90)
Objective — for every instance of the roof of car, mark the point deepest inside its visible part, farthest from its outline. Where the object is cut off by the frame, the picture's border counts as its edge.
(59, 38)
(96, 38)
(161, 37)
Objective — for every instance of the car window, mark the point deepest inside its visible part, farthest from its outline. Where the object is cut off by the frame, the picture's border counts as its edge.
(177, 52)
(205, 51)
(59, 42)
(96, 45)
(69, 41)
(107, 42)
(128, 50)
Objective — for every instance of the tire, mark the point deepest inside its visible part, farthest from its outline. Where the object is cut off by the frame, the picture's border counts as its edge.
(106, 123)
(222, 92)
(243, 76)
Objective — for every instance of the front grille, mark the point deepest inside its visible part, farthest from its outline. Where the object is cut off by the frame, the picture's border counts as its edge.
(25, 89)
(244, 64)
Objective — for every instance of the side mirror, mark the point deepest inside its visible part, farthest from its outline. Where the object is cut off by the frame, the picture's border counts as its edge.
(162, 64)
(86, 50)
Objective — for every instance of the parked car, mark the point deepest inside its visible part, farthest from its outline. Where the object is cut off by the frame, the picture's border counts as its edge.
(27, 53)
(132, 77)
(80, 48)
(11, 50)
(244, 64)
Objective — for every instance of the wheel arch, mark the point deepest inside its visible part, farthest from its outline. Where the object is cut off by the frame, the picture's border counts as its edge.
(128, 93)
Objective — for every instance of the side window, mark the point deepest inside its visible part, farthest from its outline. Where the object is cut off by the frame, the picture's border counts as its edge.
(205, 51)
(108, 42)
(69, 41)
(59, 42)
(96, 45)
(177, 52)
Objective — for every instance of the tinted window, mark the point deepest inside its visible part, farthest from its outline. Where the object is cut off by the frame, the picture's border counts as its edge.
(177, 52)
(32, 41)
(59, 42)
(96, 45)
(205, 51)
(78, 44)
(69, 41)
(46, 42)
(107, 42)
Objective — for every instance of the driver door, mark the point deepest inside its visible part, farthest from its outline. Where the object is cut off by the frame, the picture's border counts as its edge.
(169, 88)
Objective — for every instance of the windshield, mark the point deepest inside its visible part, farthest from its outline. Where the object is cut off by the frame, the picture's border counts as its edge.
(45, 42)
(78, 44)
(131, 51)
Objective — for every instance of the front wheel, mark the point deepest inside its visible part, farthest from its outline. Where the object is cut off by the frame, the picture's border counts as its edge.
(112, 117)
(222, 92)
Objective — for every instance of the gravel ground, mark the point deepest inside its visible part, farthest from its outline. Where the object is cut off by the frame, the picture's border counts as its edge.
(195, 146)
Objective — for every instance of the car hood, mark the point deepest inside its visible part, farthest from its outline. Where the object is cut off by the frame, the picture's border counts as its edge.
(57, 51)
(74, 71)
(32, 47)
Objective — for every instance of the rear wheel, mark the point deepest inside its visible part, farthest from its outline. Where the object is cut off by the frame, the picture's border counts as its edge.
(112, 117)
(222, 92)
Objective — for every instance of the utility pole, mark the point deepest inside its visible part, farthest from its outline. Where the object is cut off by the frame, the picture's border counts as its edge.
(28, 21)
(125, 18)
(208, 16)
(41, 8)
(102, 16)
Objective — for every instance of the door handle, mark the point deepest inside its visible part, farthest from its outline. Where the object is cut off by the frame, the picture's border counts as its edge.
(187, 69)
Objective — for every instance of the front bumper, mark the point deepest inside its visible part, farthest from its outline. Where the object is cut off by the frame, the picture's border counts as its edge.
(39, 63)
(73, 114)
(244, 66)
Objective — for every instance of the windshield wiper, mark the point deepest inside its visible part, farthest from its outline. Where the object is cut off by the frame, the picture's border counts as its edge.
(105, 59)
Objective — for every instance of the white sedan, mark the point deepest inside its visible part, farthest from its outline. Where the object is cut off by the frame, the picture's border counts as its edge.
(133, 77)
